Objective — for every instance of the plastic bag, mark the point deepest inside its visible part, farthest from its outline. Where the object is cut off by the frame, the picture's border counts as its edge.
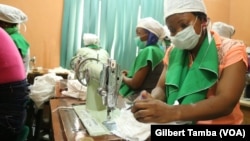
(43, 88)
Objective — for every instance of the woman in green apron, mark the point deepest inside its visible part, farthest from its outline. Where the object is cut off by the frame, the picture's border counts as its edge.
(146, 69)
(204, 73)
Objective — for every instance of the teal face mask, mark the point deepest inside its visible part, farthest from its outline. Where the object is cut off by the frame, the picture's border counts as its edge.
(139, 43)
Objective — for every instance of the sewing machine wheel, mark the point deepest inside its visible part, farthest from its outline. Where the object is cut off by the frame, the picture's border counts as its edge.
(83, 73)
(75, 61)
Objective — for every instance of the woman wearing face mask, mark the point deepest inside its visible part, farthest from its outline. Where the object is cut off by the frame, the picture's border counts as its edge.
(148, 64)
(204, 74)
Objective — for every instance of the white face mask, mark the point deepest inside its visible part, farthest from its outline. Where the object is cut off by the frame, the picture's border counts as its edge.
(186, 39)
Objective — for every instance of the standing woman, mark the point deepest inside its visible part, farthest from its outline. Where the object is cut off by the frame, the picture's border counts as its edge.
(13, 89)
(10, 18)
(204, 74)
(147, 67)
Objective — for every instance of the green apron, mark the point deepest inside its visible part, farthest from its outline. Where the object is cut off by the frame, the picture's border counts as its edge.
(151, 53)
(185, 84)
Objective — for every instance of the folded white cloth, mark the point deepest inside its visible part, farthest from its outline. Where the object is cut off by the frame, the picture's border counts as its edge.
(127, 127)
(75, 89)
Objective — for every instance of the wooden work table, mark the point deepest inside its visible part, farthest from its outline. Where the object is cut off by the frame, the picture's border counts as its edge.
(62, 133)
(58, 129)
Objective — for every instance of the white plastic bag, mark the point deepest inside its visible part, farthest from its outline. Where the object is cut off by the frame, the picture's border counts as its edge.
(43, 88)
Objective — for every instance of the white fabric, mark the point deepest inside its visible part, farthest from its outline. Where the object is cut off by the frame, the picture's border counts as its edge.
(12, 14)
(75, 89)
(153, 26)
(182, 6)
(43, 88)
(90, 39)
(223, 29)
(128, 128)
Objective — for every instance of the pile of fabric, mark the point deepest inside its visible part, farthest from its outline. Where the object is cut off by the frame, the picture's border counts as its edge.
(43, 88)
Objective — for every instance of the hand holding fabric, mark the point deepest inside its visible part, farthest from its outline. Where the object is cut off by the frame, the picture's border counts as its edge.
(149, 110)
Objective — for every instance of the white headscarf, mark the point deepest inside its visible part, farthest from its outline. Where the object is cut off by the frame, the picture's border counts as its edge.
(90, 39)
(153, 26)
(167, 32)
(223, 29)
(12, 14)
(182, 6)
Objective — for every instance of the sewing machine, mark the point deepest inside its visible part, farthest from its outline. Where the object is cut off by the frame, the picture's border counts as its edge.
(103, 81)
(87, 65)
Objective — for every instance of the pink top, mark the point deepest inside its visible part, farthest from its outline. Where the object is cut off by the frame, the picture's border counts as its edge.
(230, 52)
(11, 64)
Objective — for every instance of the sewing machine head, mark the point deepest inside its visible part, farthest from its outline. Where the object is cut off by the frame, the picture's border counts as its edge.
(88, 74)
(102, 80)
(110, 81)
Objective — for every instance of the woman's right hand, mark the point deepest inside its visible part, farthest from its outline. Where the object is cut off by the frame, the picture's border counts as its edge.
(146, 109)
(124, 73)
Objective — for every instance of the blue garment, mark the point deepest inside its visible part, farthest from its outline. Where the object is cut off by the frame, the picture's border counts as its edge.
(13, 100)
(152, 39)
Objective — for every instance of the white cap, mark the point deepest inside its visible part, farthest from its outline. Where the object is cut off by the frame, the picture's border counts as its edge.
(90, 39)
(248, 50)
(223, 29)
(153, 26)
(182, 6)
(12, 14)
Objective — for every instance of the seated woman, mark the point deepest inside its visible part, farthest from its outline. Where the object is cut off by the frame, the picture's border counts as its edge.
(91, 49)
(203, 76)
(148, 65)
